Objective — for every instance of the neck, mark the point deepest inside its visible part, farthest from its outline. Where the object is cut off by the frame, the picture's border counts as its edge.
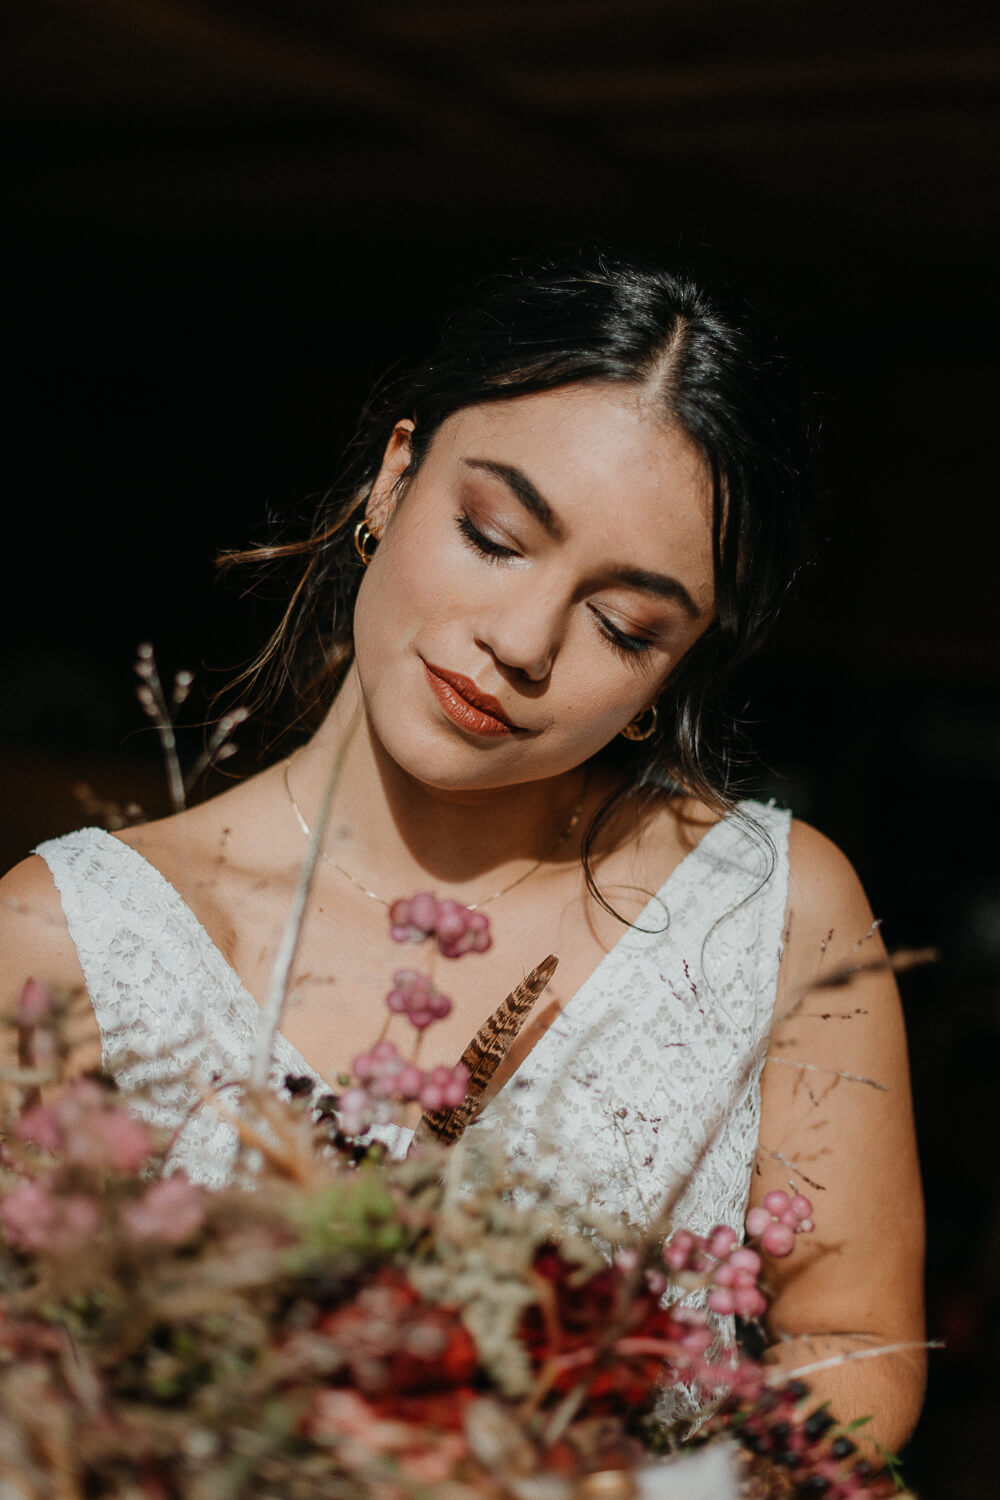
(410, 833)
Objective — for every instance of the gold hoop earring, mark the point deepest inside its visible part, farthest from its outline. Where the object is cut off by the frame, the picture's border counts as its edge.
(363, 534)
(635, 730)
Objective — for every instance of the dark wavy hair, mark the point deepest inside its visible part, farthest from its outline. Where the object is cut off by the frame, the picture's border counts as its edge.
(536, 328)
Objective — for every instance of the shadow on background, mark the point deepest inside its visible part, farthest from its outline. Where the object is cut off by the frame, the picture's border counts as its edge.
(230, 218)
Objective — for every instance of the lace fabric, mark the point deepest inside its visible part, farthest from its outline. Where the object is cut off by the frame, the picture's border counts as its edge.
(649, 1077)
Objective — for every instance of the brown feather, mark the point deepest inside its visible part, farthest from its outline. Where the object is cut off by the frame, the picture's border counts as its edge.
(485, 1053)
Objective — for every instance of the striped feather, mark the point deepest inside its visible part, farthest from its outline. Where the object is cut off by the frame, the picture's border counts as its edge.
(485, 1053)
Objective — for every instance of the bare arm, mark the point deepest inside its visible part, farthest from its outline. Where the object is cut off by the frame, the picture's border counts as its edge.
(35, 944)
(856, 1283)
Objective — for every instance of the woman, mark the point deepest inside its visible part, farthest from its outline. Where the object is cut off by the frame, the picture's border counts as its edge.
(557, 540)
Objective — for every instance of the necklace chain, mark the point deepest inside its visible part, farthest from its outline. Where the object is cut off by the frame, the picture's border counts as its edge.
(574, 819)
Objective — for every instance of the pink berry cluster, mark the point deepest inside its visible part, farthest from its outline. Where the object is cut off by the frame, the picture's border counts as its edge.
(383, 1075)
(729, 1269)
(777, 1221)
(413, 995)
(456, 928)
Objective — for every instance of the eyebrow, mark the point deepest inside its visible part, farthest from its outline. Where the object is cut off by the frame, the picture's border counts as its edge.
(531, 498)
(660, 584)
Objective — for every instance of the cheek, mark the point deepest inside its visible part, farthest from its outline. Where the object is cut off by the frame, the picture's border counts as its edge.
(405, 589)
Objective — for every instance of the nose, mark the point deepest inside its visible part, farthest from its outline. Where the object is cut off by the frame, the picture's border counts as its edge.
(522, 632)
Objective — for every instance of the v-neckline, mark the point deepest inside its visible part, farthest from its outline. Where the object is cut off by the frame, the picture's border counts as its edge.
(254, 1015)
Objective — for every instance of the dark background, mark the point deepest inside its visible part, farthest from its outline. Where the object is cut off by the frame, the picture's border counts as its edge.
(226, 218)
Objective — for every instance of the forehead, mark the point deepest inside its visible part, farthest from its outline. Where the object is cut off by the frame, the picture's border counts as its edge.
(606, 460)
(597, 436)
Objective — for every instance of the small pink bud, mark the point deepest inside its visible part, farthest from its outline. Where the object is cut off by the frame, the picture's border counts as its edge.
(454, 1093)
(34, 1218)
(409, 1080)
(122, 1139)
(758, 1220)
(777, 1201)
(450, 922)
(745, 1259)
(751, 1303)
(801, 1206)
(355, 1111)
(423, 911)
(676, 1252)
(778, 1240)
(721, 1300)
(172, 1210)
(35, 1004)
(721, 1241)
(41, 1127)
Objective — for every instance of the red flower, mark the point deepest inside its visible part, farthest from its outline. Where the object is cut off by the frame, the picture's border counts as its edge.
(394, 1343)
(569, 1330)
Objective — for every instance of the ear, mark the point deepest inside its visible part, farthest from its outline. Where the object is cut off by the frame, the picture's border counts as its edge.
(384, 494)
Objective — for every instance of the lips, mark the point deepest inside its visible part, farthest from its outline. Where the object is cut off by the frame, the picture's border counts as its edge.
(465, 704)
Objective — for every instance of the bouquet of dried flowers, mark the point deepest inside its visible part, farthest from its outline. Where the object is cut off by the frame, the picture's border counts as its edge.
(342, 1322)
(339, 1323)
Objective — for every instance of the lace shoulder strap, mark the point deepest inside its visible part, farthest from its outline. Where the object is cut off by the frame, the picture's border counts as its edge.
(649, 1080)
(169, 1008)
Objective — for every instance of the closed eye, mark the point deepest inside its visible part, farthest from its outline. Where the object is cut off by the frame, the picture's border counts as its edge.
(485, 546)
(629, 645)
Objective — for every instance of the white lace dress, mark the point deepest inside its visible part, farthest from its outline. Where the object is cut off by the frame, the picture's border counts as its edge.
(615, 1101)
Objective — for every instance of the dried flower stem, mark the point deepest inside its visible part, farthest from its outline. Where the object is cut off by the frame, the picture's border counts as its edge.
(218, 747)
(155, 706)
(781, 1376)
(289, 1163)
(277, 990)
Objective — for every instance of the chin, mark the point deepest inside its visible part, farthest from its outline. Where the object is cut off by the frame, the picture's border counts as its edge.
(442, 758)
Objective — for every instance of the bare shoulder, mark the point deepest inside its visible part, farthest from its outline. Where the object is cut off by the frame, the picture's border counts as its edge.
(829, 915)
(817, 864)
(34, 938)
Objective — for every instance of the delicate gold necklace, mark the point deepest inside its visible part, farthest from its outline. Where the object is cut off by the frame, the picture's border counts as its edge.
(574, 818)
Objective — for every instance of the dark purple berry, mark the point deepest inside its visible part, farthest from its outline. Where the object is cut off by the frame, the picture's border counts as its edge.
(299, 1087)
(816, 1484)
(842, 1447)
(797, 1389)
(817, 1423)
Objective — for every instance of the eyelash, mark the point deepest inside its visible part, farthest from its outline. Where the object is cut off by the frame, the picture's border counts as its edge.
(628, 646)
(492, 551)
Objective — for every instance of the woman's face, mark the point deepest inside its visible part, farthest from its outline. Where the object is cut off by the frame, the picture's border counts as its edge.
(535, 584)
